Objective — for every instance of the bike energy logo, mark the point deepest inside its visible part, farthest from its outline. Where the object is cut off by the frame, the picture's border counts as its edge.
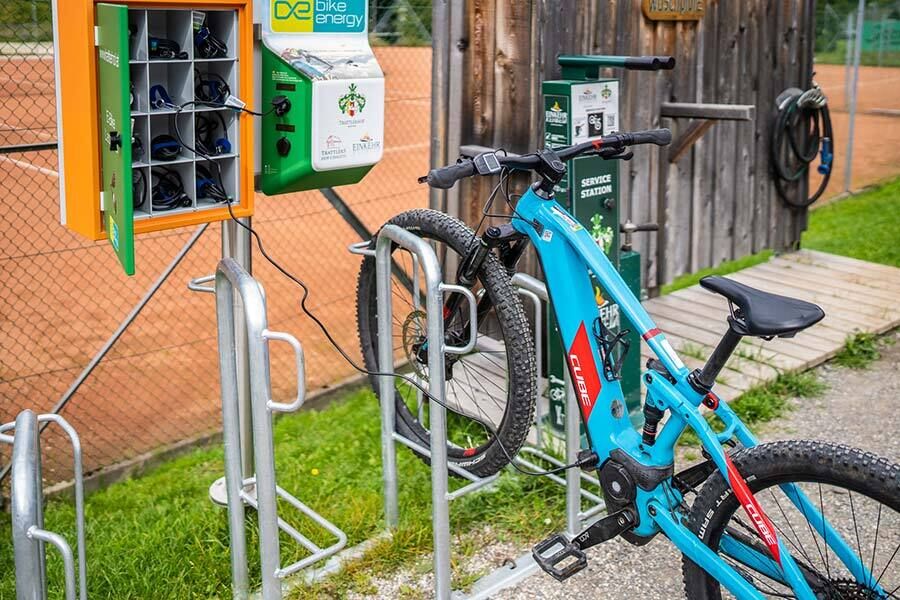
(318, 16)
(352, 102)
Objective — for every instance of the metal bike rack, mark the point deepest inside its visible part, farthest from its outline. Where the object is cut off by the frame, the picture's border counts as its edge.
(425, 259)
(536, 292)
(27, 502)
(259, 491)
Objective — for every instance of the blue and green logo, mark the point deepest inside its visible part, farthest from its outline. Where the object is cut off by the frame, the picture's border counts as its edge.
(318, 16)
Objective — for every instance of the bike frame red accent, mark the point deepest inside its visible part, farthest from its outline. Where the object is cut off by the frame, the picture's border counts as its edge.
(761, 522)
(650, 334)
(585, 378)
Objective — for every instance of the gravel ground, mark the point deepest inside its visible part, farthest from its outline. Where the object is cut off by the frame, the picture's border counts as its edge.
(858, 408)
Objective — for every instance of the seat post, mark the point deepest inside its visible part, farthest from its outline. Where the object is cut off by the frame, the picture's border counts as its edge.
(706, 377)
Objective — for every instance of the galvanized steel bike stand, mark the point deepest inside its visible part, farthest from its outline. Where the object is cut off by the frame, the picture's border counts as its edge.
(259, 491)
(426, 260)
(27, 501)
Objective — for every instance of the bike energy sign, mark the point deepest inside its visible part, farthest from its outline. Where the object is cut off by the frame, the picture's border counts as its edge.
(318, 16)
(317, 54)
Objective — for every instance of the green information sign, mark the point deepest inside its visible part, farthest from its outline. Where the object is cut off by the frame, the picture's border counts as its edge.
(115, 130)
(576, 111)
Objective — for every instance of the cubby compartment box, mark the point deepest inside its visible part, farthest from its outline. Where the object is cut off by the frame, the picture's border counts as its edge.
(140, 140)
(140, 190)
(221, 24)
(137, 35)
(173, 132)
(169, 26)
(212, 127)
(172, 179)
(176, 79)
(140, 95)
(221, 170)
(214, 81)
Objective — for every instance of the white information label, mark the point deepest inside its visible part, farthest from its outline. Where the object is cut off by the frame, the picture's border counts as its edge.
(595, 110)
(347, 124)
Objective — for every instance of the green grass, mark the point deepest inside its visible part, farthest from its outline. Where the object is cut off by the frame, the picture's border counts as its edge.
(765, 403)
(158, 536)
(863, 226)
(859, 351)
(723, 269)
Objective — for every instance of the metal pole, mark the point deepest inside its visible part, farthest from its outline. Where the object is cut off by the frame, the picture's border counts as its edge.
(435, 334)
(573, 445)
(848, 58)
(263, 442)
(26, 499)
(386, 382)
(231, 433)
(857, 54)
(236, 245)
(881, 39)
(440, 45)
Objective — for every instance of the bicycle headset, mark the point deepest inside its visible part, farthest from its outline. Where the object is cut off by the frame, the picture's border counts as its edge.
(208, 45)
(138, 188)
(159, 97)
(161, 48)
(164, 147)
(168, 191)
(205, 129)
(212, 89)
(207, 187)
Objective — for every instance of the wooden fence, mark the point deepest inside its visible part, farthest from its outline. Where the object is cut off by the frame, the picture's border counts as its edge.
(717, 200)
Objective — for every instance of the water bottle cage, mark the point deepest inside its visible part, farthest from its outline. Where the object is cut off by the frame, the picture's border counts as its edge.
(613, 349)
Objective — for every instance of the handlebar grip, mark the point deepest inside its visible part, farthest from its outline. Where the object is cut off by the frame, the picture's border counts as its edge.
(445, 177)
(660, 137)
(650, 63)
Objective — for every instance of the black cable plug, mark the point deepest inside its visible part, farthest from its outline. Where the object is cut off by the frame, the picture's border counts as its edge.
(282, 105)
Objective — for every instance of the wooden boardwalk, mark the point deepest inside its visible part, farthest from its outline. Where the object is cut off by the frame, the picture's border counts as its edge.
(856, 296)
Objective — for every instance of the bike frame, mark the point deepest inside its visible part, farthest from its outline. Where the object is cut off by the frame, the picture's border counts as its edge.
(568, 254)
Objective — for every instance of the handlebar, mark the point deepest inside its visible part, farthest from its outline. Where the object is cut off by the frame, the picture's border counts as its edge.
(608, 146)
(633, 63)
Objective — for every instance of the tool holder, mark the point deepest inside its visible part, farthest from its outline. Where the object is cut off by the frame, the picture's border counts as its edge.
(259, 491)
(425, 261)
(27, 502)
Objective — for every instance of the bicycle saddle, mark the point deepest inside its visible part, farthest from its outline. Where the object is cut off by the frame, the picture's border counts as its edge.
(760, 313)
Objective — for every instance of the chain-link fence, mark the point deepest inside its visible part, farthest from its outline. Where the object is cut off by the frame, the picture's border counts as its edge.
(858, 67)
(62, 297)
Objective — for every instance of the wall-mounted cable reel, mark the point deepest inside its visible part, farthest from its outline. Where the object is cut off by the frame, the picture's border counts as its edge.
(801, 131)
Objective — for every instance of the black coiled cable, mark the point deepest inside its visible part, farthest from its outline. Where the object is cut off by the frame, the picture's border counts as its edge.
(802, 130)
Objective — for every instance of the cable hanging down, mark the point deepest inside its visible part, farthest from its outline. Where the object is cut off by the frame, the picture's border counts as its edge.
(215, 178)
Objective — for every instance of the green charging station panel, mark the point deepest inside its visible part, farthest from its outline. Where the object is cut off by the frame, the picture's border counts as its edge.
(316, 54)
(115, 130)
(575, 111)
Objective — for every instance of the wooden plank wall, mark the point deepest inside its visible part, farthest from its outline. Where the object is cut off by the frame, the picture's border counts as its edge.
(717, 202)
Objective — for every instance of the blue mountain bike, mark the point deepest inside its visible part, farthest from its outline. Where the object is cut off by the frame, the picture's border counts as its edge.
(791, 519)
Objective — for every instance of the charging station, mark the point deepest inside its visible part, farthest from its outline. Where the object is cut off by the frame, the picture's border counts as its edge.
(580, 107)
(316, 54)
(155, 102)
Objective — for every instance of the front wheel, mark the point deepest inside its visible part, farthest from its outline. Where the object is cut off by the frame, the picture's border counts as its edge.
(494, 384)
(857, 492)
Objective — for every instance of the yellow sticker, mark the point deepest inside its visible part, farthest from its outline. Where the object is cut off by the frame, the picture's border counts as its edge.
(292, 16)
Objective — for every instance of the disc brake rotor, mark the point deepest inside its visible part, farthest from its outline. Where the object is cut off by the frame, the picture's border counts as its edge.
(413, 332)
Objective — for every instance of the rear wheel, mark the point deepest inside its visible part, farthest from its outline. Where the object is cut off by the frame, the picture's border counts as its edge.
(495, 383)
(857, 493)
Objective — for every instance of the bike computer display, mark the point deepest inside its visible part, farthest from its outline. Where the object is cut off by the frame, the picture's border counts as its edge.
(487, 163)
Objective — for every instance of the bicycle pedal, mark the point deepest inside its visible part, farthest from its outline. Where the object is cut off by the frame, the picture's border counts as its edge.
(559, 557)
